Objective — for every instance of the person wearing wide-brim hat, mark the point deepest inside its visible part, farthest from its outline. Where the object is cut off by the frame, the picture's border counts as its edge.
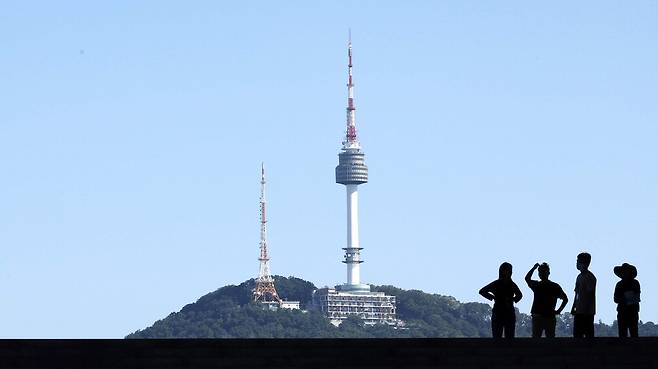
(627, 297)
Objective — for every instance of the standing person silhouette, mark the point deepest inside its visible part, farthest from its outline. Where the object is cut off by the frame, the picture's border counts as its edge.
(627, 297)
(584, 302)
(504, 292)
(543, 305)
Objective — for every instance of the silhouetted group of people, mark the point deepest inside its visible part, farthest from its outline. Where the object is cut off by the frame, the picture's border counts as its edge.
(505, 293)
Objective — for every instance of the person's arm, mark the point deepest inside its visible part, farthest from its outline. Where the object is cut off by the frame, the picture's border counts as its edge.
(528, 276)
(564, 299)
(590, 286)
(487, 292)
(575, 298)
(636, 289)
(619, 295)
(517, 294)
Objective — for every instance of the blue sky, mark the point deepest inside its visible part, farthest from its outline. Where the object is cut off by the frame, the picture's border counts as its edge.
(131, 137)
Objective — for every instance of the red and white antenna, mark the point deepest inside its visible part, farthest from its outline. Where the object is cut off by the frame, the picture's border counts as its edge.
(264, 290)
(351, 141)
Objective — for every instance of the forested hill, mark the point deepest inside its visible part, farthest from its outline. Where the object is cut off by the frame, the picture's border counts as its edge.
(229, 313)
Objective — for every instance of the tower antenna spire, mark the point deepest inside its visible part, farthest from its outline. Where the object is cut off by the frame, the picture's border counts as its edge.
(264, 290)
(351, 140)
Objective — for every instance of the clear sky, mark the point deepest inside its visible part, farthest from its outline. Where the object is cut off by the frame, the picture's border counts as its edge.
(131, 137)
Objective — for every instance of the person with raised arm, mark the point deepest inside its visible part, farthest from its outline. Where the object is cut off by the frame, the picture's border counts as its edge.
(543, 305)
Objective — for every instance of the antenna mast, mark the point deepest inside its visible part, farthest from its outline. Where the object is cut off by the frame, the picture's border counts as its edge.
(351, 140)
(264, 290)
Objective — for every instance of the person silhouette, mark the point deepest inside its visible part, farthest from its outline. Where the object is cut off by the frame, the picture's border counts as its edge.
(627, 297)
(505, 293)
(543, 305)
(584, 302)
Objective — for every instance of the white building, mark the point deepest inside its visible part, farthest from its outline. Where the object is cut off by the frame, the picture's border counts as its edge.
(371, 307)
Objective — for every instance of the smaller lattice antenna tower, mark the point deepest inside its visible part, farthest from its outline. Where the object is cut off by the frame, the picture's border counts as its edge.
(264, 291)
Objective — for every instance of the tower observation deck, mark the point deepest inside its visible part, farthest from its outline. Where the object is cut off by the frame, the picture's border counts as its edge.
(351, 169)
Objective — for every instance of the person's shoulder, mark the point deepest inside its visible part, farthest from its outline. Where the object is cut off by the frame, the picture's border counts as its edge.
(556, 288)
(496, 282)
(492, 283)
(587, 276)
(554, 285)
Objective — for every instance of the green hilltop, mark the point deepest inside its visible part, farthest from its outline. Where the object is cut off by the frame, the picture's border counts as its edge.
(230, 313)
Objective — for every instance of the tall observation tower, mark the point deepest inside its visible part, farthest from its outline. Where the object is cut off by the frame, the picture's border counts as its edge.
(353, 298)
(351, 172)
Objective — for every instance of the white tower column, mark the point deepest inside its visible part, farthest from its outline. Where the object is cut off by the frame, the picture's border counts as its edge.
(353, 275)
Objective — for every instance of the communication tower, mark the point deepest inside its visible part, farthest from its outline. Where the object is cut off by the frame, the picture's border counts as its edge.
(264, 291)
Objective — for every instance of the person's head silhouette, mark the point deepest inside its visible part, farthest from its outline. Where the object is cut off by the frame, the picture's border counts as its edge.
(625, 271)
(505, 271)
(583, 260)
(544, 271)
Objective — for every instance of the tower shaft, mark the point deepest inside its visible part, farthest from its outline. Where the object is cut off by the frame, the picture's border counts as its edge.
(352, 251)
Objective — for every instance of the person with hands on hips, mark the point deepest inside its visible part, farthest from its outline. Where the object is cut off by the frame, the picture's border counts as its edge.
(505, 293)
